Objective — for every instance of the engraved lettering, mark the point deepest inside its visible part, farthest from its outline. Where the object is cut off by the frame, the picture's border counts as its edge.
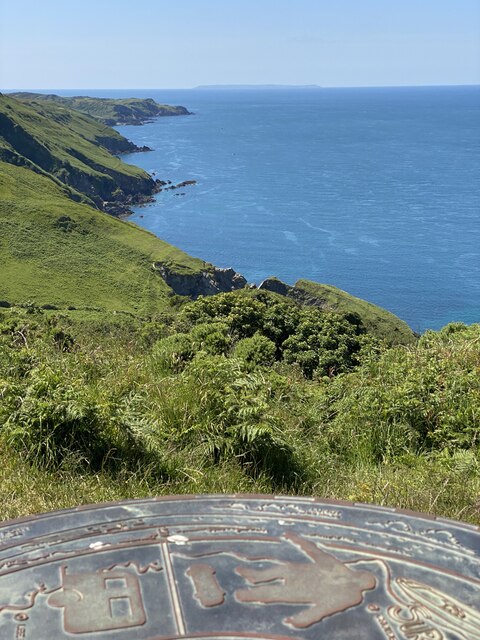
(442, 609)
(207, 590)
(21, 632)
(387, 629)
(13, 533)
(413, 623)
(325, 584)
(101, 601)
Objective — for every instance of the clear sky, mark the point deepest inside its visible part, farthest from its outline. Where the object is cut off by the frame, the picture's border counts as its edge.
(87, 44)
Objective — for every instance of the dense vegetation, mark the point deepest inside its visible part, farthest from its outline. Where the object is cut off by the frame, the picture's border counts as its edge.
(112, 386)
(378, 321)
(238, 392)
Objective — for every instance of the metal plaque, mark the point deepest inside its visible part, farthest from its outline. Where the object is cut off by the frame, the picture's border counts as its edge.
(232, 567)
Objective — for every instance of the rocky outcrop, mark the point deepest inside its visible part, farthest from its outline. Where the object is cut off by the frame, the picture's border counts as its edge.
(276, 286)
(180, 185)
(119, 145)
(203, 283)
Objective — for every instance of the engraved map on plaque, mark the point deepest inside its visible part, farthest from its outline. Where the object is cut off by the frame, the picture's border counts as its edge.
(231, 567)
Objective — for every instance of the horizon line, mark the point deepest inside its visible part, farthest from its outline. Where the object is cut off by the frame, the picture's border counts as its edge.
(227, 86)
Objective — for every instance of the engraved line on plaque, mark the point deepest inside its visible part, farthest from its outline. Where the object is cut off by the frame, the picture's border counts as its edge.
(445, 611)
(99, 601)
(324, 584)
(176, 606)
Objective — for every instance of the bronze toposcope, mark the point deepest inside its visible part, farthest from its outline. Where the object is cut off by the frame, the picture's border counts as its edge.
(232, 567)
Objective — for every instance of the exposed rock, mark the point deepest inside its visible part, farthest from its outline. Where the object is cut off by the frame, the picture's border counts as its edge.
(204, 283)
(119, 145)
(276, 285)
(185, 183)
(180, 185)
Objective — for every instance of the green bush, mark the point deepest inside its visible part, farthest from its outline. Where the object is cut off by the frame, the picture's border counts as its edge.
(55, 418)
(416, 399)
(257, 351)
(325, 343)
(172, 353)
(212, 337)
(228, 413)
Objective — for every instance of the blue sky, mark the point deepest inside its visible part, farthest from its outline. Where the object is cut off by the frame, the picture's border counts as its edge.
(80, 44)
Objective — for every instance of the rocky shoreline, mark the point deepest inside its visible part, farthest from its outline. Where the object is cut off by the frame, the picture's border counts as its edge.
(136, 120)
(121, 208)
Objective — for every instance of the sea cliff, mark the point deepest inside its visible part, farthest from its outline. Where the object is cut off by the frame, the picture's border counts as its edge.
(112, 112)
(73, 152)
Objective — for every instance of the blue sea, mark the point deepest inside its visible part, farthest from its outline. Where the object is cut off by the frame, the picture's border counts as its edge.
(375, 191)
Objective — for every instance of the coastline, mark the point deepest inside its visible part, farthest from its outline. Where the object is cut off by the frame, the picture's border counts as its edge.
(374, 209)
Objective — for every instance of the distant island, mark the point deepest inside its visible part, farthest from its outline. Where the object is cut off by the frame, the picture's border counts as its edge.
(270, 87)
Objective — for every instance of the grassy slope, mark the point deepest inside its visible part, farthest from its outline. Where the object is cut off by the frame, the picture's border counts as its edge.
(65, 144)
(378, 321)
(101, 262)
(107, 110)
(94, 131)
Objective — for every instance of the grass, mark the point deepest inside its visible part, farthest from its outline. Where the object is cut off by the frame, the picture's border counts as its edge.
(107, 110)
(97, 261)
(97, 416)
(422, 487)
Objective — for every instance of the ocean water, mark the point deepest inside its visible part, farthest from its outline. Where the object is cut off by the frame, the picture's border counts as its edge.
(376, 191)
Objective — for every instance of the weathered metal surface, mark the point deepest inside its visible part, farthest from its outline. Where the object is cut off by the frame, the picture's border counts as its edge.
(231, 567)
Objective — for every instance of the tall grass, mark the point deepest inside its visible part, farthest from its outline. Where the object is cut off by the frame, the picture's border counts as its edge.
(104, 416)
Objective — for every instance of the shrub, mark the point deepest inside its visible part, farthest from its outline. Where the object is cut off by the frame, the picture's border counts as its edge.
(214, 338)
(56, 417)
(256, 351)
(171, 354)
(324, 342)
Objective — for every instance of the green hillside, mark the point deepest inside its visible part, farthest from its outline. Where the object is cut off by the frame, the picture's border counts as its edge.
(56, 247)
(71, 148)
(115, 383)
(378, 321)
(107, 110)
(59, 252)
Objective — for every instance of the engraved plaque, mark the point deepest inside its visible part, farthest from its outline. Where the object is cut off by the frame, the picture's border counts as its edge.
(231, 567)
